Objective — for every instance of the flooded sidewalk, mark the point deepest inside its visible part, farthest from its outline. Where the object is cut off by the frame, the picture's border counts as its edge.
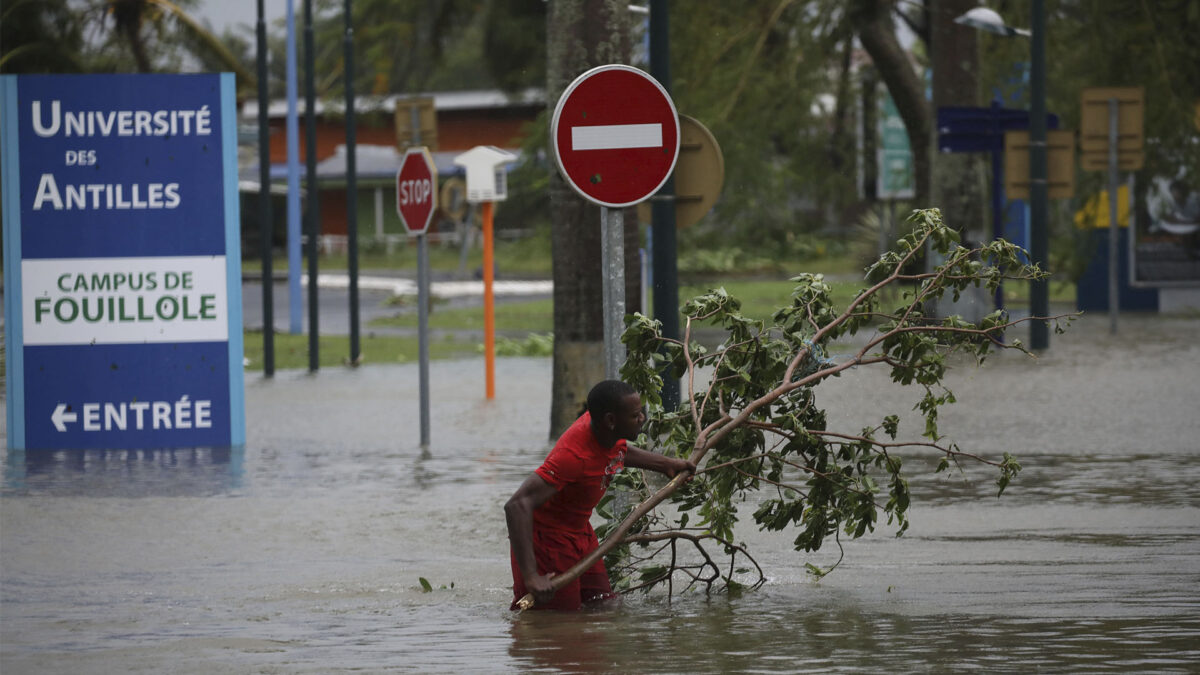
(304, 552)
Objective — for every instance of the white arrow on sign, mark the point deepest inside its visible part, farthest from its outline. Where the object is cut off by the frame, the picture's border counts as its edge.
(61, 417)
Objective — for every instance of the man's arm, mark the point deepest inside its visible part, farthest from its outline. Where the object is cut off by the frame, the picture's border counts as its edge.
(518, 512)
(637, 458)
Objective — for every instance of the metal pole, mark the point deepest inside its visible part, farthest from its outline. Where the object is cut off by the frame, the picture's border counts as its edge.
(1039, 245)
(998, 212)
(295, 260)
(422, 307)
(612, 254)
(313, 215)
(423, 333)
(351, 187)
(489, 302)
(662, 209)
(1114, 291)
(264, 199)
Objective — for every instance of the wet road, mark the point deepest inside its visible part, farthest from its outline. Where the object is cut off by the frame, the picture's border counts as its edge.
(303, 552)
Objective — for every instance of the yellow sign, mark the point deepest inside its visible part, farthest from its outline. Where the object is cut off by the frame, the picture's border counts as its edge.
(699, 174)
(1060, 164)
(1095, 212)
(422, 109)
(1094, 129)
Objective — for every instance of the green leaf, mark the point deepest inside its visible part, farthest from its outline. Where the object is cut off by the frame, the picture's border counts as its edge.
(426, 587)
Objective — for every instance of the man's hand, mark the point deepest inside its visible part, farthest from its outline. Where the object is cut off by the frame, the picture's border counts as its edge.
(540, 586)
(679, 466)
(637, 458)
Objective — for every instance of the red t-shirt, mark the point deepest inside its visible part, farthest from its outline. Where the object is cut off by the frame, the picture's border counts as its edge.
(580, 469)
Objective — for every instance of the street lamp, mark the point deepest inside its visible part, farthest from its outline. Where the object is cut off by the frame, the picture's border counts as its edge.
(988, 20)
(985, 19)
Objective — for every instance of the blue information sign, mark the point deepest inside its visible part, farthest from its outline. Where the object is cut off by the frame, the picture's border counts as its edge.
(122, 263)
(969, 129)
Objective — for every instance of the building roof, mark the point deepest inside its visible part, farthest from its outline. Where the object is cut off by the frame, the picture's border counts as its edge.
(372, 163)
(442, 101)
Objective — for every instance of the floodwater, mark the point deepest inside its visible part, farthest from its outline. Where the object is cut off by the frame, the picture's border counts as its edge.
(303, 553)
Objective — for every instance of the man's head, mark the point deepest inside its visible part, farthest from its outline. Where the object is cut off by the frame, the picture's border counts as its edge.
(616, 410)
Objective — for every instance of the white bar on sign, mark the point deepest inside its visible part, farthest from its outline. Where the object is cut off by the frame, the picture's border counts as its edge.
(616, 136)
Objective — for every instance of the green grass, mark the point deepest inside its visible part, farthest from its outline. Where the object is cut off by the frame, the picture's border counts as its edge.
(528, 257)
(534, 316)
(291, 351)
(759, 297)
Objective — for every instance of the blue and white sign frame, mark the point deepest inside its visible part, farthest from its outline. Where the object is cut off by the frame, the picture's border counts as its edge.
(122, 262)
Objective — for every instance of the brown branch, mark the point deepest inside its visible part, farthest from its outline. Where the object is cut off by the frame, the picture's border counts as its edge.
(709, 436)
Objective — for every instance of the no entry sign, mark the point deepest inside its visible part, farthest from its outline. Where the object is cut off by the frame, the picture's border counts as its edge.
(416, 190)
(616, 135)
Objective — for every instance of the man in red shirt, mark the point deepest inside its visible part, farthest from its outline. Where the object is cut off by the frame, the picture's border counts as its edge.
(549, 516)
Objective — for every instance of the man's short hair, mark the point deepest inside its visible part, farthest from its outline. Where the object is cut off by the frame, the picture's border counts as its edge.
(606, 397)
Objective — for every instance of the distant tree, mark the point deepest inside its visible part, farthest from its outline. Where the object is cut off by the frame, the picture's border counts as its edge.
(40, 36)
(759, 74)
(101, 36)
(874, 22)
(1111, 43)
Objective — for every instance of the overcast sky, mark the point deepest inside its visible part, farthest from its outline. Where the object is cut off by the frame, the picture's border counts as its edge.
(229, 13)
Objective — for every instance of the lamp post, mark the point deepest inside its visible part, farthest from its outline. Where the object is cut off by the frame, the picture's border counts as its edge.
(1039, 245)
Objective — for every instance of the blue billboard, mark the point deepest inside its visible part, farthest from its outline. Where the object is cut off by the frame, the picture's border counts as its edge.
(122, 263)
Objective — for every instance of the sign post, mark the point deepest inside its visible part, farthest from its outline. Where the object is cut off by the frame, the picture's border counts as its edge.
(615, 133)
(1112, 138)
(486, 183)
(122, 272)
(416, 201)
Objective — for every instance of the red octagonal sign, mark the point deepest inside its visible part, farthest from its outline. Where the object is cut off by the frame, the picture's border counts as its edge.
(416, 190)
(616, 135)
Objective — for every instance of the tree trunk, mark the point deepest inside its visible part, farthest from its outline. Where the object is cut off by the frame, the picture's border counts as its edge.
(872, 20)
(127, 15)
(581, 35)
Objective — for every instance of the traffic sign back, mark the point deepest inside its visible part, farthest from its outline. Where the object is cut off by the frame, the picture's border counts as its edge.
(615, 133)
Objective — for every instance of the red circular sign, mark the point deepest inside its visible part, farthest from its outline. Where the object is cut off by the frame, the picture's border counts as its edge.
(615, 133)
(416, 190)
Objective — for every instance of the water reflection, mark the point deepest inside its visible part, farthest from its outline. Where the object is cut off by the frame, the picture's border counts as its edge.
(824, 632)
(177, 472)
(589, 641)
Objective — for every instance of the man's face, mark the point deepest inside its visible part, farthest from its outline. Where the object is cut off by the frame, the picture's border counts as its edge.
(629, 418)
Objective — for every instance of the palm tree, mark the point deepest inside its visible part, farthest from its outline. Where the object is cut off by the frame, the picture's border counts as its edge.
(40, 36)
(132, 18)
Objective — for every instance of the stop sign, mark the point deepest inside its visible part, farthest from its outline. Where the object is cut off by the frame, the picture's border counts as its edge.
(416, 190)
(615, 133)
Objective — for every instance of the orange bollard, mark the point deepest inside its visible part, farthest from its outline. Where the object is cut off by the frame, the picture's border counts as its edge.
(489, 309)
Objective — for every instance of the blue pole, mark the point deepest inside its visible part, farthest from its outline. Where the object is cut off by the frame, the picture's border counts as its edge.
(295, 301)
(310, 161)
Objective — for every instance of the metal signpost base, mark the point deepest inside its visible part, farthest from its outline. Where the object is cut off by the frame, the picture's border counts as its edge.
(1114, 289)
(423, 333)
(612, 251)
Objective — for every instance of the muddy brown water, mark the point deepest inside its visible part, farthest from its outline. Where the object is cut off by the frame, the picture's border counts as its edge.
(303, 552)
